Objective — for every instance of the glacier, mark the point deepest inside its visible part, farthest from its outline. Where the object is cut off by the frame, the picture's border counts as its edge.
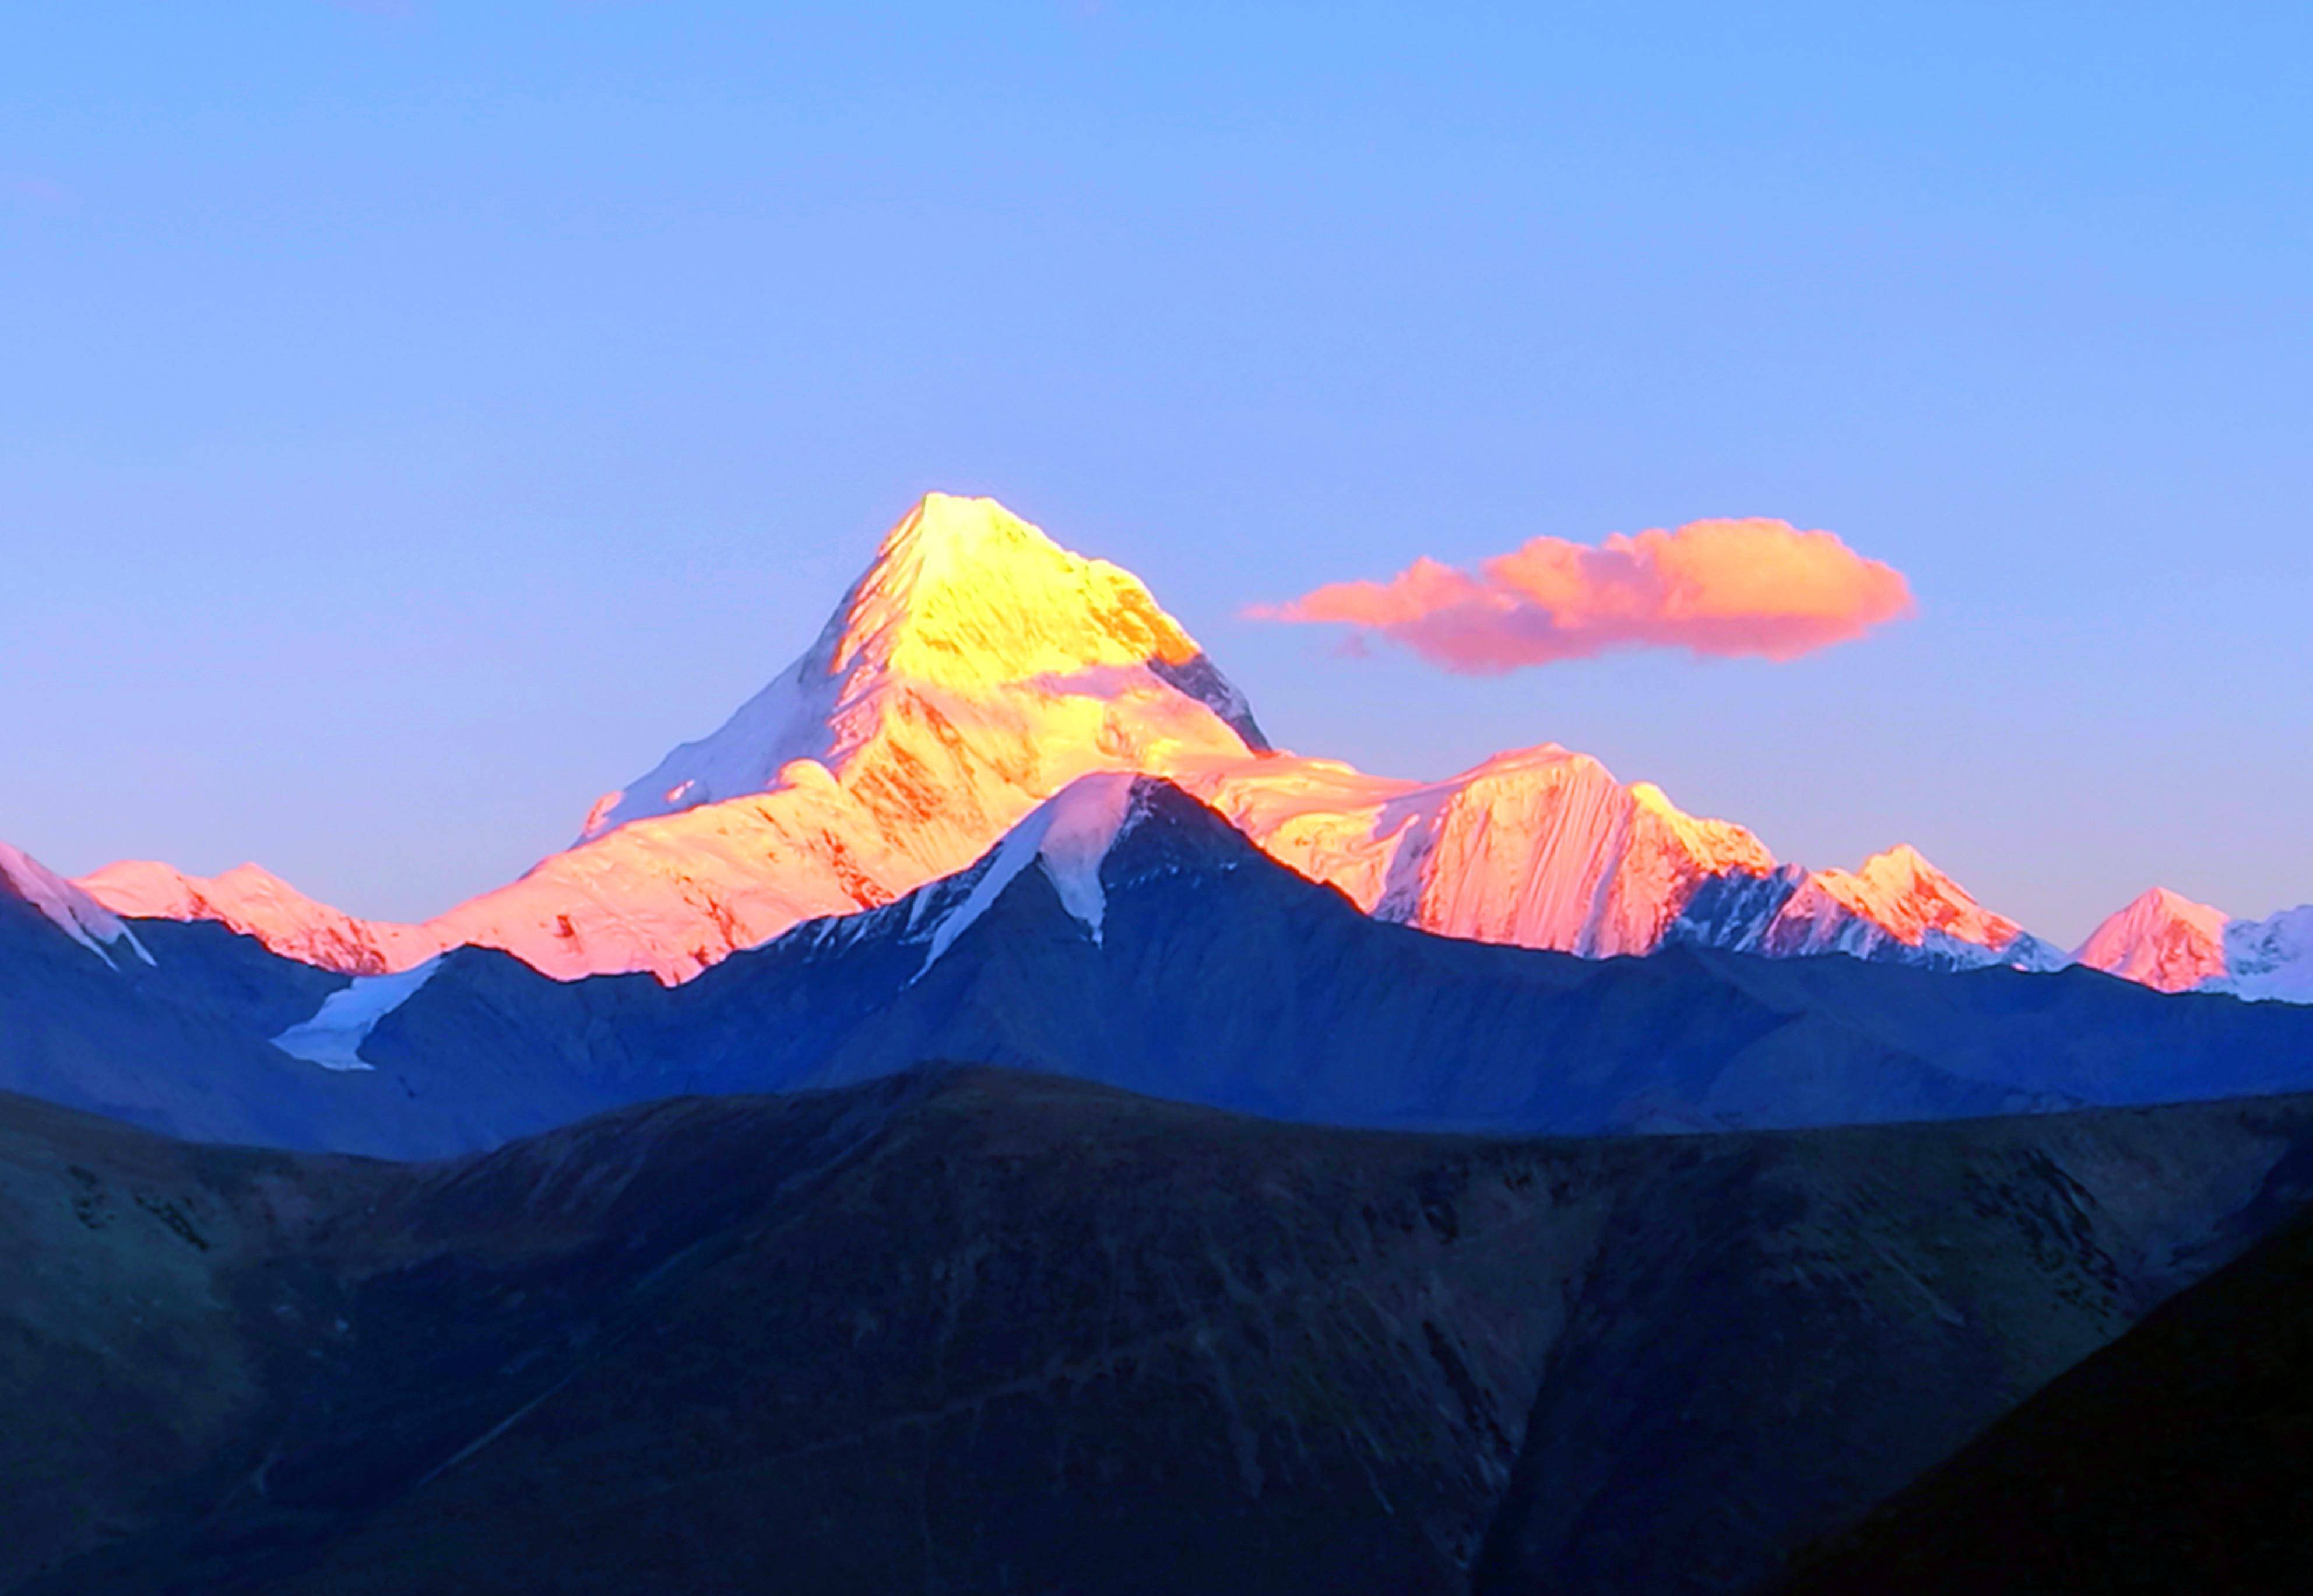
(333, 1038)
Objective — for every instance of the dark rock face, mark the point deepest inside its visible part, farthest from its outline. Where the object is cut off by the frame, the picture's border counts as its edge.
(184, 1047)
(1201, 680)
(157, 1312)
(2180, 1459)
(1219, 977)
(178, 1048)
(984, 1331)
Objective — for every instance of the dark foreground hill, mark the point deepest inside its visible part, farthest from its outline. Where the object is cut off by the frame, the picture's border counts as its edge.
(983, 1331)
(2180, 1459)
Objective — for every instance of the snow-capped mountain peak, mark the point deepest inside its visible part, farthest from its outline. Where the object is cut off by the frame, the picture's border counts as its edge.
(974, 670)
(1541, 847)
(1902, 868)
(68, 906)
(255, 902)
(1898, 903)
(2272, 957)
(1901, 891)
(2166, 940)
(965, 596)
(2162, 940)
(1068, 837)
(973, 624)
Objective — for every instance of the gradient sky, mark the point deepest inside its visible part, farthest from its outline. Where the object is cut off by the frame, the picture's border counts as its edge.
(418, 416)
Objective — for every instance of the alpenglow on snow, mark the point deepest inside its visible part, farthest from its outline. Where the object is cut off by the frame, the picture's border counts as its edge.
(973, 671)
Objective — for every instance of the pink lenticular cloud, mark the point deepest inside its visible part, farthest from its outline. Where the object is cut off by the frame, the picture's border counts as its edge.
(1722, 587)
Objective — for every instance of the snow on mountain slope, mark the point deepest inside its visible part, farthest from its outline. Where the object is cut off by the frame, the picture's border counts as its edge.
(2272, 957)
(2166, 940)
(976, 669)
(1898, 905)
(333, 1038)
(1067, 837)
(257, 903)
(1545, 848)
(1068, 840)
(74, 912)
(2163, 939)
(1539, 847)
(975, 651)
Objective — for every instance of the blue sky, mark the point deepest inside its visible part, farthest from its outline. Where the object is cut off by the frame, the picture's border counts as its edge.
(419, 416)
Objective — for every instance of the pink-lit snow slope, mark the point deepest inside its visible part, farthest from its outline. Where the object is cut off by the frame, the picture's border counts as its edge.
(976, 669)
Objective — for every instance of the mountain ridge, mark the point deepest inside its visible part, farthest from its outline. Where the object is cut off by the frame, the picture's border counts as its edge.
(973, 671)
(67, 905)
(1125, 933)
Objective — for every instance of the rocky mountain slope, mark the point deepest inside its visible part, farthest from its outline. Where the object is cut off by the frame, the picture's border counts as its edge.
(2180, 1459)
(177, 1036)
(1124, 933)
(982, 1332)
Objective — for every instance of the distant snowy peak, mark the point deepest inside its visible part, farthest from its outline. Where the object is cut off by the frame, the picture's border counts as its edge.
(2163, 939)
(1898, 903)
(1900, 890)
(2272, 957)
(72, 911)
(1540, 846)
(1795, 912)
(258, 904)
(972, 628)
(2169, 941)
(1543, 848)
